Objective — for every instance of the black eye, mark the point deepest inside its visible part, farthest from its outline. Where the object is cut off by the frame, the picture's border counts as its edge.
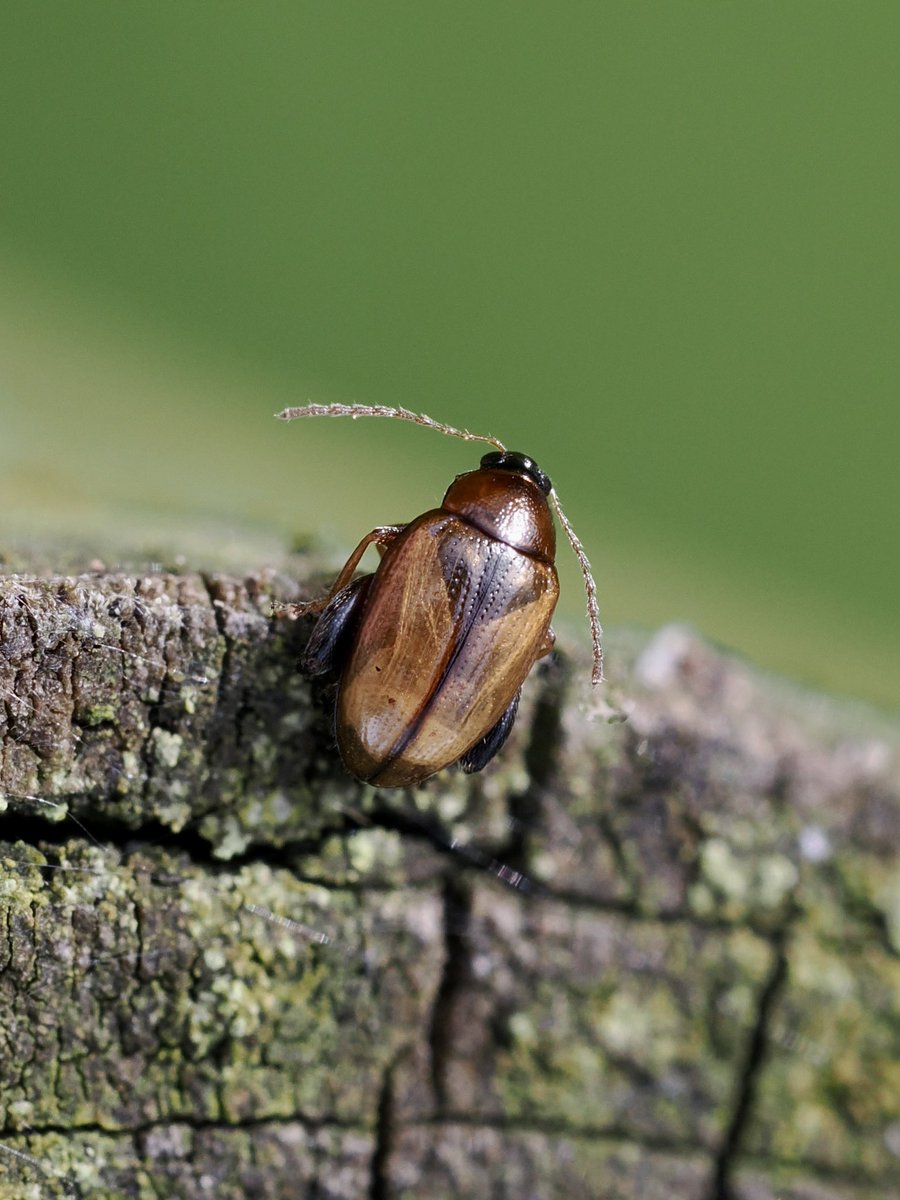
(512, 460)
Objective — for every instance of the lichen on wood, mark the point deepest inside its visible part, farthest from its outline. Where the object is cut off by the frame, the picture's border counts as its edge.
(653, 950)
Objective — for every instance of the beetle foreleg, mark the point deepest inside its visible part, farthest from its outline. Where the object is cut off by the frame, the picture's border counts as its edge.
(479, 755)
(382, 537)
(324, 648)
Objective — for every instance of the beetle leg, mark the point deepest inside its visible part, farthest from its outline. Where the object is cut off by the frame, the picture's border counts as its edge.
(479, 755)
(382, 537)
(324, 648)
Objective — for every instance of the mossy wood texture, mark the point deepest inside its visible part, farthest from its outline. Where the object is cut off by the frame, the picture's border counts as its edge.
(652, 951)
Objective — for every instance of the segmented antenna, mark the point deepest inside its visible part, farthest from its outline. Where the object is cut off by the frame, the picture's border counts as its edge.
(404, 414)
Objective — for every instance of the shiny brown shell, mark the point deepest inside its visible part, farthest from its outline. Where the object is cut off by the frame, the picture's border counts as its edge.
(453, 620)
(449, 630)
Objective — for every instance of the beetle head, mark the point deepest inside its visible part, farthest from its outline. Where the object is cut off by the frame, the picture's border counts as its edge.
(512, 460)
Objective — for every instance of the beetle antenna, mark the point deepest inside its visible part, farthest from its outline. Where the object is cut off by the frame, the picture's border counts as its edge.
(404, 414)
(384, 410)
(593, 608)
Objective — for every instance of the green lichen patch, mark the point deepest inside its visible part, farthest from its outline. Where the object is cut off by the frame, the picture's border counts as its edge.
(733, 883)
(594, 1022)
(224, 998)
(269, 1161)
(830, 1093)
(97, 714)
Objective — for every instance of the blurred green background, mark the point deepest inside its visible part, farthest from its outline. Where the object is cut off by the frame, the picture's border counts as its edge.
(653, 245)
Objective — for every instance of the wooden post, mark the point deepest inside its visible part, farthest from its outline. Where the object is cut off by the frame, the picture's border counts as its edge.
(653, 951)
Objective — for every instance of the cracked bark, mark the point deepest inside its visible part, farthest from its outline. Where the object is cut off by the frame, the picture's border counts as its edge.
(636, 957)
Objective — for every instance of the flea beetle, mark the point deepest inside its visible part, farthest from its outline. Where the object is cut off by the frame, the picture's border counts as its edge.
(431, 651)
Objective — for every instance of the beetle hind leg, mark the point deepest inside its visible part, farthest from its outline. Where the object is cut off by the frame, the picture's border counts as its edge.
(477, 757)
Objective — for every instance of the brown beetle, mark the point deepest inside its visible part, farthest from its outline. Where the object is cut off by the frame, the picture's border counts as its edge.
(432, 649)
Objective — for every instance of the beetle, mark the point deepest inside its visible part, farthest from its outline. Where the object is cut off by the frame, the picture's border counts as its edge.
(431, 650)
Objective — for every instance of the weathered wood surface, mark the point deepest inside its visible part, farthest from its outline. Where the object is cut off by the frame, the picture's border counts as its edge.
(653, 951)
